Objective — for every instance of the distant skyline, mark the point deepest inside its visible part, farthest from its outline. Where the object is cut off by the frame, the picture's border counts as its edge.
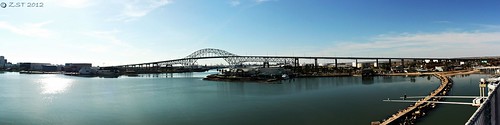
(119, 32)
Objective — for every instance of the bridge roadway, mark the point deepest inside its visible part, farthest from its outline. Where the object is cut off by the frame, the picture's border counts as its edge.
(293, 58)
(234, 59)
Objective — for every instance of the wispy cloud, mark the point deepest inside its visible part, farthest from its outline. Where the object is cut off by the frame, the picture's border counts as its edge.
(489, 26)
(29, 29)
(135, 9)
(234, 3)
(110, 37)
(442, 44)
(261, 1)
(110, 44)
(247, 3)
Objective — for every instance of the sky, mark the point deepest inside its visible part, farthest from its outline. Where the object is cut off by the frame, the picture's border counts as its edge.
(116, 32)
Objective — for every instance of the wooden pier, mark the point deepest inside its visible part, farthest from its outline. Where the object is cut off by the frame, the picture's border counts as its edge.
(445, 86)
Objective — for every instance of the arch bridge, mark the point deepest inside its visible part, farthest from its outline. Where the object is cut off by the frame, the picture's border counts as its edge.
(233, 59)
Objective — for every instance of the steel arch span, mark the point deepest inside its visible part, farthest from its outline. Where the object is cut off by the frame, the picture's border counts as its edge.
(211, 53)
(192, 58)
(230, 58)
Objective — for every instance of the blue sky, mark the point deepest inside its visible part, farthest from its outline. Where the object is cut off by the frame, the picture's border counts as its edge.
(133, 31)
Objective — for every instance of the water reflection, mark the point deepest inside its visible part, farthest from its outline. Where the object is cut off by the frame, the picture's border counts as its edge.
(367, 80)
(413, 79)
(170, 75)
(298, 85)
(308, 84)
(54, 85)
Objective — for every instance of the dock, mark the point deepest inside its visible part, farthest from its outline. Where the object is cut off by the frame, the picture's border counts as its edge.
(414, 111)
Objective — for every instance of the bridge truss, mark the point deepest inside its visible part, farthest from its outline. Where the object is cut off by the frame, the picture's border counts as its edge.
(210, 53)
(233, 59)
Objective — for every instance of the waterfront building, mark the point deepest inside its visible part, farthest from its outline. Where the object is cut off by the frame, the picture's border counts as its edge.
(255, 71)
(75, 67)
(241, 71)
(3, 62)
(273, 71)
(344, 65)
(362, 64)
(29, 66)
(382, 64)
(49, 68)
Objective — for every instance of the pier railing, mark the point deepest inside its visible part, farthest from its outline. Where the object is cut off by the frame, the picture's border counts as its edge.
(488, 112)
(401, 117)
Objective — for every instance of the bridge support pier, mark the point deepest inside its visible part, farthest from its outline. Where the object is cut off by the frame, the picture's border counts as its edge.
(356, 63)
(414, 62)
(266, 64)
(336, 63)
(157, 67)
(376, 63)
(403, 63)
(390, 64)
(296, 62)
(316, 63)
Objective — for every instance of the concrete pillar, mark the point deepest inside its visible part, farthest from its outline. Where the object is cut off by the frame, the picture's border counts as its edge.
(296, 62)
(266, 64)
(356, 64)
(316, 62)
(403, 63)
(336, 63)
(414, 62)
(376, 63)
(390, 63)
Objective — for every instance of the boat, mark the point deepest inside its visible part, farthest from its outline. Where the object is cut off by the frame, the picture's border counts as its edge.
(87, 71)
(285, 76)
(108, 72)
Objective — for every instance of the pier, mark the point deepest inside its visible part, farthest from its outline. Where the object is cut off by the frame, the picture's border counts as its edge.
(411, 113)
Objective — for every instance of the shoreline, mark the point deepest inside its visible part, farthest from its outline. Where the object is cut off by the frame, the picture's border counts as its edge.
(217, 77)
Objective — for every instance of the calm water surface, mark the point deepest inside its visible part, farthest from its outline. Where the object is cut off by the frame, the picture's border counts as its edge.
(185, 99)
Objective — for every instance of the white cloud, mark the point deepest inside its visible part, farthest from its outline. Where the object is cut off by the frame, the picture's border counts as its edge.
(247, 3)
(113, 49)
(136, 9)
(489, 27)
(110, 37)
(235, 3)
(29, 29)
(260, 1)
(443, 44)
